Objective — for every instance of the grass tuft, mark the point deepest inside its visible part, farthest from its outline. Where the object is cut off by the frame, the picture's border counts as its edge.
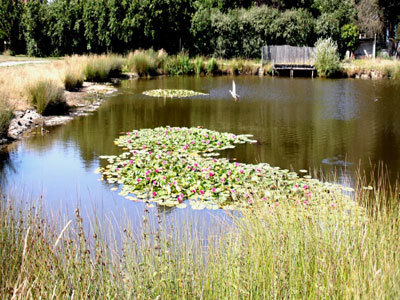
(179, 64)
(212, 66)
(143, 63)
(100, 68)
(47, 97)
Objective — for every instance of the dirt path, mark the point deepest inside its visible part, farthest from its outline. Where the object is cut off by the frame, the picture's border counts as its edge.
(15, 63)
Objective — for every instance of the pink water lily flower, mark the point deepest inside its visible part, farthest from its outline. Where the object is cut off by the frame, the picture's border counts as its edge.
(137, 180)
(214, 189)
(143, 147)
(201, 192)
(130, 161)
(154, 194)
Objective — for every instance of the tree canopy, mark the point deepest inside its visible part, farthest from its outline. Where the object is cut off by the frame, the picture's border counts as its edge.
(223, 28)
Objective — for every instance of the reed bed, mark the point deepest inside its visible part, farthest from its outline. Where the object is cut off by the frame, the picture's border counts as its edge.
(270, 252)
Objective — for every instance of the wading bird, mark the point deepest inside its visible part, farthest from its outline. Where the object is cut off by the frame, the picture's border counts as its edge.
(233, 92)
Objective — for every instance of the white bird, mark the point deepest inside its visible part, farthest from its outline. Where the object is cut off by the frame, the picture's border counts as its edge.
(233, 92)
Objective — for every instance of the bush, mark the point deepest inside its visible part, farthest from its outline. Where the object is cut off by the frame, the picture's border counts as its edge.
(6, 115)
(326, 57)
(179, 64)
(212, 66)
(47, 98)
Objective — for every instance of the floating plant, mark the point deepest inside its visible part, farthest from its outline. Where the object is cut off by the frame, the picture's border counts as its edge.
(168, 165)
(172, 93)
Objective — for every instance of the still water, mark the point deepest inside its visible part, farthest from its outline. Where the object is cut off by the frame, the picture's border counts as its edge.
(299, 123)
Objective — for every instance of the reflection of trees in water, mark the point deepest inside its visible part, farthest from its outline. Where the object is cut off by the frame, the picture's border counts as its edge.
(6, 166)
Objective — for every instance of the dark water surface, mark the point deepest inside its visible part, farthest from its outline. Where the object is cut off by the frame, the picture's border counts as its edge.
(299, 123)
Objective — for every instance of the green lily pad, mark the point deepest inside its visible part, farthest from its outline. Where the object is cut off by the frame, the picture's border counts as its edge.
(168, 165)
(172, 93)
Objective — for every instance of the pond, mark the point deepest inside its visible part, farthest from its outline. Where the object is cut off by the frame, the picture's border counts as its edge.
(299, 123)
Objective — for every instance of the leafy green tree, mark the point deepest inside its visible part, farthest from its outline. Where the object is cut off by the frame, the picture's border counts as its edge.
(35, 22)
(11, 30)
(350, 34)
(65, 27)
(296, 28)
(333, 15)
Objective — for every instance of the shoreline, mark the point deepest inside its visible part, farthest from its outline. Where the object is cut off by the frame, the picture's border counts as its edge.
(81, 102)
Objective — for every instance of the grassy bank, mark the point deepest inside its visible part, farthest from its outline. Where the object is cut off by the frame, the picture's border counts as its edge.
(370, 68)
(272, 252)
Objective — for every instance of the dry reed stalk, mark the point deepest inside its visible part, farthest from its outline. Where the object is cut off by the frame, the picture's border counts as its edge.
(61, 234)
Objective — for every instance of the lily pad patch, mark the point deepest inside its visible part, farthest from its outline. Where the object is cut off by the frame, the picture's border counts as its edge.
(172, 93)
(169, 165)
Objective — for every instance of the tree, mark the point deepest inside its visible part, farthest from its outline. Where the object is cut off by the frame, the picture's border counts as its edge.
(10, 25)
(65, 27)
(391, 18)
(350, 36)
(334, 14)
(35, 23)
(368, 17)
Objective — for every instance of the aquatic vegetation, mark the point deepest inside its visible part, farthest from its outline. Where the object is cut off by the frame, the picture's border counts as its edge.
(169, 165)
(177, 93)
(47, 97)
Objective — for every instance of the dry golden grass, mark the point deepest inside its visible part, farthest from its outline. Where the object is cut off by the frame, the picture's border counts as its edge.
(386, 67)
(15, 81)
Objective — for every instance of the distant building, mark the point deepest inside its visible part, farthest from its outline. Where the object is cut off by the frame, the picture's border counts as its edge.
(365, 47)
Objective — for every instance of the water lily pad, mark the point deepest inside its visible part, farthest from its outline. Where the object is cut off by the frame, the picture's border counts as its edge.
(168, 165)
(177, 93)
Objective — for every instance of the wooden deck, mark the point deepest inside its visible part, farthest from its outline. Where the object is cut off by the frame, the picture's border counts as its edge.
(289, 58)
(292, 68)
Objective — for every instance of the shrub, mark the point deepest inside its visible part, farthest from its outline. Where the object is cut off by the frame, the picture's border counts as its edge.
(47, 97)
(179, 64)
(212, 66)
(6, 115)
(326, 57)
